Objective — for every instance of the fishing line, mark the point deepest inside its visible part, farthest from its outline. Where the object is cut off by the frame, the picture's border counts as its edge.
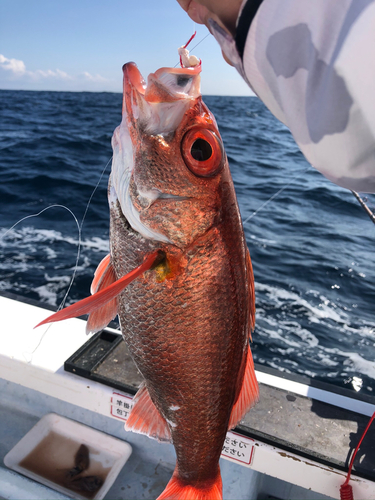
(275, 195)
(95, 188)
(196, 45)
(78, 251)
(79, 227)
(204, 38)
(74, 273)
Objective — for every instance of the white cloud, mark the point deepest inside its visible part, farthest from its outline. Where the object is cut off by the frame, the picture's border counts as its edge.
(49, 74)
(13, 65)
(15, 70)
(93, 78)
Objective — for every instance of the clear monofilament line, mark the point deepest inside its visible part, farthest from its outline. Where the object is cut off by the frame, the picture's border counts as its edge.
(274, 196)
(79, 227)
(95, 188)
(196, 45)
(74, 272)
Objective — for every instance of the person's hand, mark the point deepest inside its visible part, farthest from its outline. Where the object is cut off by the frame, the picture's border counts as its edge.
(224, 12)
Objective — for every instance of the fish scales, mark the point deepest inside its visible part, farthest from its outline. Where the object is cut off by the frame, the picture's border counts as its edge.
(198, 348)
(178, 275)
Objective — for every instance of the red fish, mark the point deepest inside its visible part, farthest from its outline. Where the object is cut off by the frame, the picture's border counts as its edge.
(188, 313)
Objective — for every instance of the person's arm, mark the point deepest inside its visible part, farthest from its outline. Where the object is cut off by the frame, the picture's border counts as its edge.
(313, 64)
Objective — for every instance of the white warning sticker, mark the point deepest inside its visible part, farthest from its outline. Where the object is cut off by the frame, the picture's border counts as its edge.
(239, 448)
(236, 447)
(121, 404)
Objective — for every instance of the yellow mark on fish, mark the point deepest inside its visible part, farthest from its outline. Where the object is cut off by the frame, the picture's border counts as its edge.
(162, 271)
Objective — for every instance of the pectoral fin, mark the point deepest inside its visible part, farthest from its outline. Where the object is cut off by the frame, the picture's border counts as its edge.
(102, 297)
(104, 276)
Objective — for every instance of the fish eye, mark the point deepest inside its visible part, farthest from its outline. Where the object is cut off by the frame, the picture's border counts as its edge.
(203, 152)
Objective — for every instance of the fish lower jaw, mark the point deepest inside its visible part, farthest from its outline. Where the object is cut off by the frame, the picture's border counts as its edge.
(137, 225)
(132, 216)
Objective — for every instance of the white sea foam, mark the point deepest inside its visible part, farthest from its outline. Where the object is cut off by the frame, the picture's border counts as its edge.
(49, 292)
(276, 335)
(263, 241)
(51, 254)
(30, 235)
(325, 310)
(326, 360)
(355, 362)
(366, 331)
(46, 294)
(13, 265)
(286, 330)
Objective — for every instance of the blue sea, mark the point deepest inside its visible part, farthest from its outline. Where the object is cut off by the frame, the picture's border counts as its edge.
(311, 244)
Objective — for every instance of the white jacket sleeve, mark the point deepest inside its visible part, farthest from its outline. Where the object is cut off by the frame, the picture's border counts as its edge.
(312, 62)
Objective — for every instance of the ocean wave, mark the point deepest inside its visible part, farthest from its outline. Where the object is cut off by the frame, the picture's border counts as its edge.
(280, 297)
(311, 244)
(28, 236)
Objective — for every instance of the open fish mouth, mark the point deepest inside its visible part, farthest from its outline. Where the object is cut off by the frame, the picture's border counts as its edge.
(155, 108)
(165, 85)
(158, 106)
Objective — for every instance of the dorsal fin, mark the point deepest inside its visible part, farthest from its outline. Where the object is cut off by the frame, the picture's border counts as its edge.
(145, 418)
(103, 277)
(90, 304)
(249, 393)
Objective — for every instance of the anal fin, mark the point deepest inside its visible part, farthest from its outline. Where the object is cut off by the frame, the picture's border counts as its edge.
(145, 418)
(249, 393)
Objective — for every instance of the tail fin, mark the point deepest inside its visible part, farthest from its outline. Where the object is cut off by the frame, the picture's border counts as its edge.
(177, 489)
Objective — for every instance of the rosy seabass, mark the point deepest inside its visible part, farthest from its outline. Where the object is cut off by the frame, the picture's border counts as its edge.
(176, 235)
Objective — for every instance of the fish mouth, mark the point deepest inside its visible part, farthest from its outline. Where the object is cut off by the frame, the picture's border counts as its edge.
(158, 106)
(133, 77)
(155, 108)
(165, 85)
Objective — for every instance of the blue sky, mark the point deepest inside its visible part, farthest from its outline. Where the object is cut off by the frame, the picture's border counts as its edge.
(82, 44)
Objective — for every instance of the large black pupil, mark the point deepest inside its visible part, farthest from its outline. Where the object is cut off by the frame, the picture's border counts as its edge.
(201, 150)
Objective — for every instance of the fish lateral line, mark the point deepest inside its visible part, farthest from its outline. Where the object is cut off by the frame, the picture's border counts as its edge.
(100, 298)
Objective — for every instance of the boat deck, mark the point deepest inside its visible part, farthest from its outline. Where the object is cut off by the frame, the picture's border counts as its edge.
(315, 428)
(298, 437)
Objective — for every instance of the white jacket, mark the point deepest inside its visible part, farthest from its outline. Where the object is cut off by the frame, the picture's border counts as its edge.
(312, 63)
